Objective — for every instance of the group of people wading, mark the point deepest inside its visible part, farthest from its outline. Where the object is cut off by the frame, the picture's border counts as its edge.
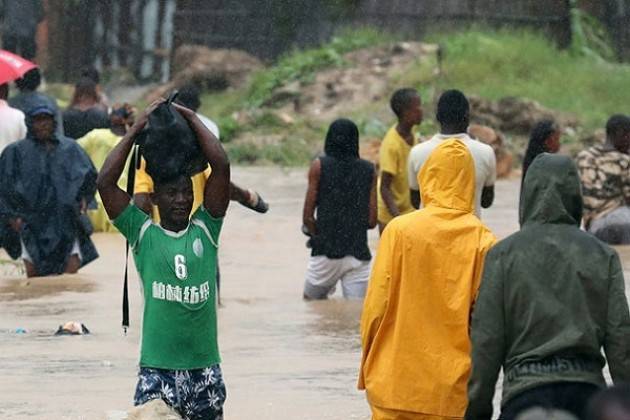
(446, 306)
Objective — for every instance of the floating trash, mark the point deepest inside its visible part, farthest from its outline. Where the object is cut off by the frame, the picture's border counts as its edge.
(72, 328)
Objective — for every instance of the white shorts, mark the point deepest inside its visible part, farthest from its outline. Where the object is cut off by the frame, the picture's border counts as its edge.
(323, 273)
(27, 257)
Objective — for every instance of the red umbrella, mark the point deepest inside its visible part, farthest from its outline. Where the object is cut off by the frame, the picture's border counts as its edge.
(13, 66)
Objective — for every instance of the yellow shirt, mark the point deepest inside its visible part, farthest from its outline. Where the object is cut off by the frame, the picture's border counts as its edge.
(393, 157)
(426, 274)
(98, 144)
(144, 184)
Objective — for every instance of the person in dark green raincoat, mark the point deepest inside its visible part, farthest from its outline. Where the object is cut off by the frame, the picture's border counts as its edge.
(551, 297)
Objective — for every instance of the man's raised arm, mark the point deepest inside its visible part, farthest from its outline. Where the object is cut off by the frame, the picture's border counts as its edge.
(216, 195)
(115, 200)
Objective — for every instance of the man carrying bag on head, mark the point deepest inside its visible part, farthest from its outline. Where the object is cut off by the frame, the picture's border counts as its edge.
(176, 259)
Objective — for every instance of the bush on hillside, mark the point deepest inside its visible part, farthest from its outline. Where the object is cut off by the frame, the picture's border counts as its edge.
(302, 65)
(496, 64)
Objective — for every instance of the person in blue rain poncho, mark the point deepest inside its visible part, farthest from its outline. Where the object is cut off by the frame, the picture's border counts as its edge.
(47, 181)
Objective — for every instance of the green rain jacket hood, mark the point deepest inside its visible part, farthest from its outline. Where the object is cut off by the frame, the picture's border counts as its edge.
(551, 297)
(551, 193)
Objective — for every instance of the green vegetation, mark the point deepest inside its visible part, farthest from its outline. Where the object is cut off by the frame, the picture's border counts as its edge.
(582, 80)
(287, 152)
(294, 66)
(302, 65)
(588, 36)
(296, 147)
(519, 63)
(269, 140)
(490, 64)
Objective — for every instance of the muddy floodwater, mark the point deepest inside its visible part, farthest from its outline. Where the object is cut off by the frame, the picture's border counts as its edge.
(282, 358)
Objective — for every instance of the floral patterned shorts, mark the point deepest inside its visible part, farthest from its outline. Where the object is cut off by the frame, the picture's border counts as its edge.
(196, 394)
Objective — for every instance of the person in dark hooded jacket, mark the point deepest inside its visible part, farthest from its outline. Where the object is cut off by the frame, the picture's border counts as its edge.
(552, 296)
(30, 97)
(47, 181)
(342, 190)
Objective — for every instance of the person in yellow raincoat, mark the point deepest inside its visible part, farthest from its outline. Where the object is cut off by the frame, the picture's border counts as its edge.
(97, 144)
(416, 314)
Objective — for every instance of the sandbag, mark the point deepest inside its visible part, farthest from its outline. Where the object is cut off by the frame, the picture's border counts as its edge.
(169, 145)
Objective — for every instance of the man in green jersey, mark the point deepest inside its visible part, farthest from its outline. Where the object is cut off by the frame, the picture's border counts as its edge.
(176, 261)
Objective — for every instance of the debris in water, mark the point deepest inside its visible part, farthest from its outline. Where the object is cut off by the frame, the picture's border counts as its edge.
(72, 328)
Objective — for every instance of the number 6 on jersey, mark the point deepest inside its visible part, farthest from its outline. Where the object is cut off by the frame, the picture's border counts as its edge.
(180, 267)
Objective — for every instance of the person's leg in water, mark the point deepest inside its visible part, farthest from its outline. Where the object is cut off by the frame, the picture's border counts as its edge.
(73, 264)
(74, 260)
(322, 274)
(193, 394)
(29, 267)
(248, 198)
(354, 282)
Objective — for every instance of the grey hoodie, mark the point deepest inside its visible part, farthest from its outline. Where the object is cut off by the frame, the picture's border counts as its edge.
(551, 297)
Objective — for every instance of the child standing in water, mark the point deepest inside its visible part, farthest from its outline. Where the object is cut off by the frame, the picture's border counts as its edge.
(176, 261)
(393, 191)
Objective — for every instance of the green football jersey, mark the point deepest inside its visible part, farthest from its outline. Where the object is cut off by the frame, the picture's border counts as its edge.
(178, 275)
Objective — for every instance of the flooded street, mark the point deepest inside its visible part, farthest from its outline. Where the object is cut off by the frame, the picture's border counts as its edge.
(282, 358)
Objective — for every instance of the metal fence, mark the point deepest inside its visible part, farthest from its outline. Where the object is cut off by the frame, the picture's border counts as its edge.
(264, 28)
(135, 35)
(268, 28)
(618, 20)
(138, 35)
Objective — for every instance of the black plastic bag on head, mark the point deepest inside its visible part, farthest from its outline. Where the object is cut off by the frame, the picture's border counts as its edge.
(169, 145)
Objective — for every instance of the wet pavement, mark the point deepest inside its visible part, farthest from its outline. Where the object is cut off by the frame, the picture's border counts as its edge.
(283, 358)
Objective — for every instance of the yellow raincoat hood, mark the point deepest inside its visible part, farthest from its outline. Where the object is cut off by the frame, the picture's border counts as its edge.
(447, 178)
(415, 321)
